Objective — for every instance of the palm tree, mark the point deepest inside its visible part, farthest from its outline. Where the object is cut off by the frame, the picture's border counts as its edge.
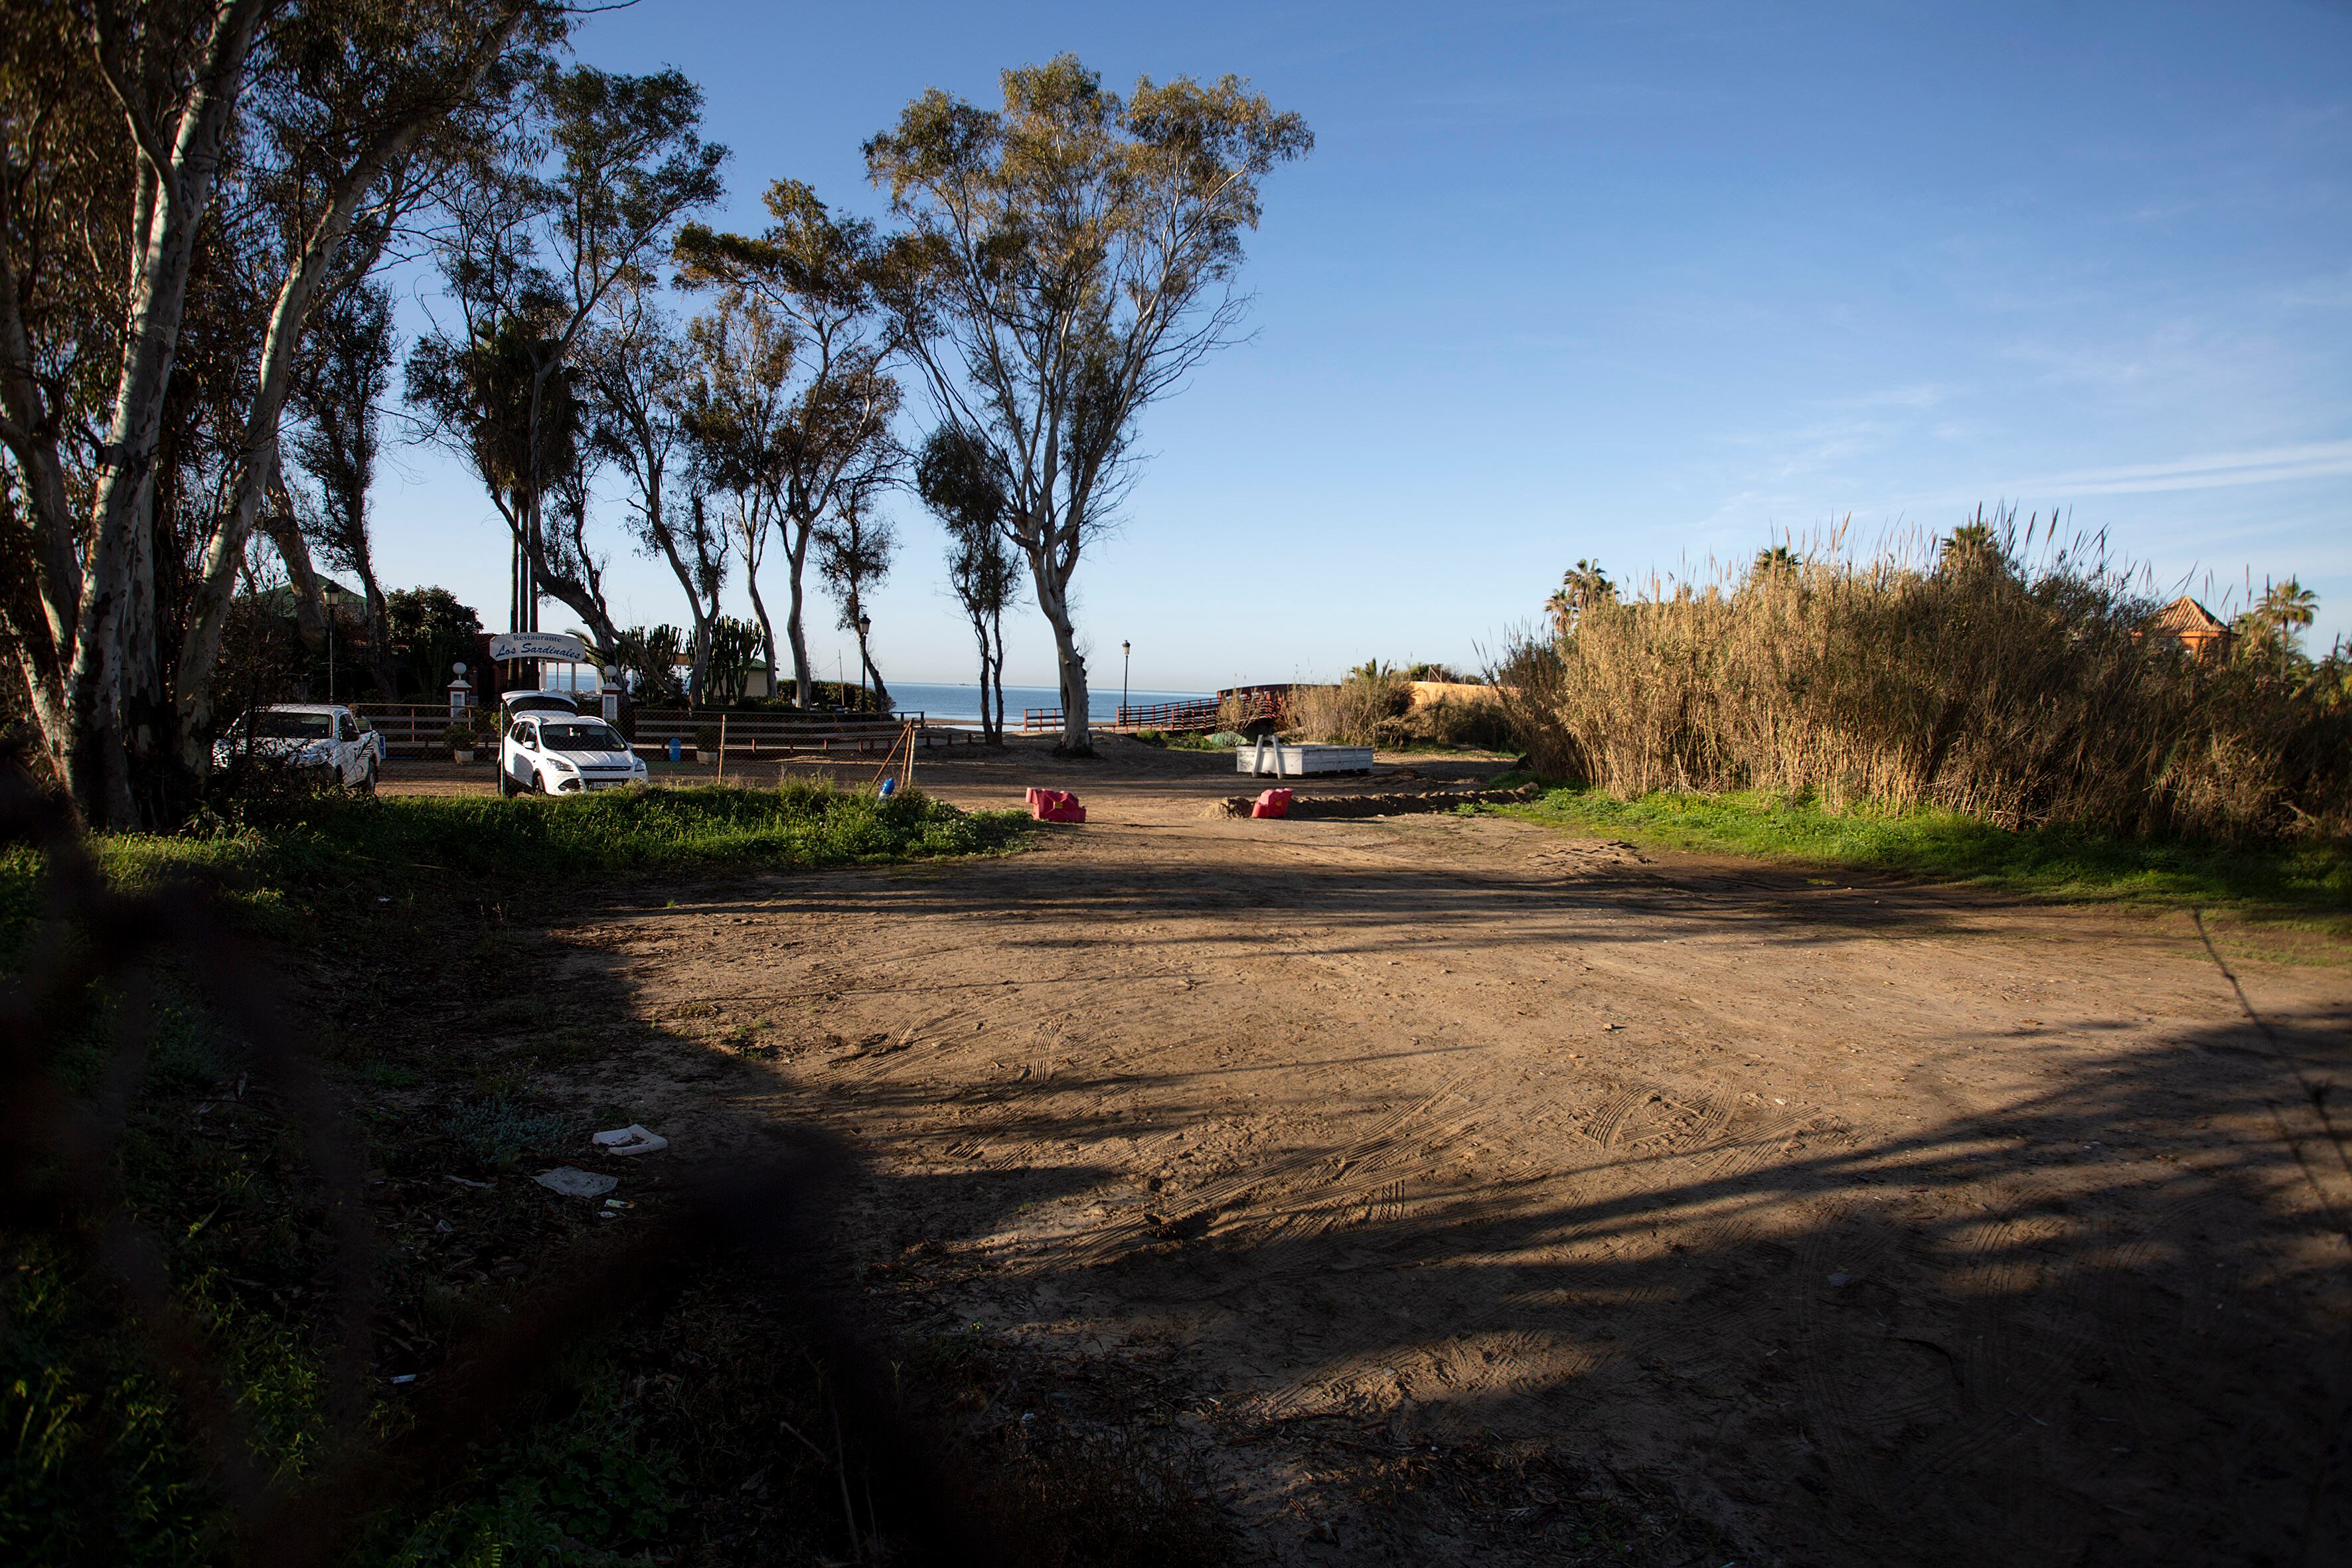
(1779, 561)
(1972, 544)
(1583, 586)
(2289, 606)
(2282, 613)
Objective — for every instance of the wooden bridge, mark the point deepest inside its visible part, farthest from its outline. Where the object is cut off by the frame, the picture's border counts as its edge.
(1199, 715)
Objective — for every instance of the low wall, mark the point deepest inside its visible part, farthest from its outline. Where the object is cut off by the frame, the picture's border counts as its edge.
(1427, 693)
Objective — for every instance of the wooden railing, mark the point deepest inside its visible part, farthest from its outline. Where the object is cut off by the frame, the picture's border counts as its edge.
(1198, 714)
(1241, 708)
(1250, 705)
(409, 729)
(416, 729)
(779, 733)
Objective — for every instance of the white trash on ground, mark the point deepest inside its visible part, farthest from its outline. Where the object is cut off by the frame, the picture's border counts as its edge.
(631, 1140)
(575, 1182)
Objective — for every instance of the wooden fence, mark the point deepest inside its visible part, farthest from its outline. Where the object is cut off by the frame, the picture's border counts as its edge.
(776, 734)
(414, 729)
(1199, 714)
(409, 729)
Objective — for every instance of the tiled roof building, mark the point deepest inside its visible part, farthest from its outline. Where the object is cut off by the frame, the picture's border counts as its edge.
(2194, 628)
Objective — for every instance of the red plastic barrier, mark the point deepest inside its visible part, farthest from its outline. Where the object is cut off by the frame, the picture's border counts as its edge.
(1273, 803)
(1056, 805)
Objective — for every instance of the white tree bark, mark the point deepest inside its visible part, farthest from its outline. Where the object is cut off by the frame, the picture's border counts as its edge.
(257, 464)
(179, 187)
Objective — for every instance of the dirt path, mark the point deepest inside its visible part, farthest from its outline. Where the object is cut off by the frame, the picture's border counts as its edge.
(1426, 1172)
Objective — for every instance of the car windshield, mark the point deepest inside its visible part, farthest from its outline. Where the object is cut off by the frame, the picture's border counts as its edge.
(269, 726)
(580, 738)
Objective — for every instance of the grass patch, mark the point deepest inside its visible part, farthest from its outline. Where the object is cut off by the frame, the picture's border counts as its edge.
(2308, 884)
(406, 909)
(345, 851)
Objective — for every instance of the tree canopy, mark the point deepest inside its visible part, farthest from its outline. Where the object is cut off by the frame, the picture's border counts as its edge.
(1069, 257)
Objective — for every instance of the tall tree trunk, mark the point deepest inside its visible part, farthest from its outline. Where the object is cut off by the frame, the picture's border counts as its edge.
(866, 661)
(997, 659)
(767, 627)
(259, 463)
(176, 190)
(1072, 664)
(309, 604)
(379, 624)
(802, 687)
(979, 636)
(701, 646)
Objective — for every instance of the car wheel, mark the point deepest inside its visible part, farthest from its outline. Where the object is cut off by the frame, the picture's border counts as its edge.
(367, 784)
(536, 785)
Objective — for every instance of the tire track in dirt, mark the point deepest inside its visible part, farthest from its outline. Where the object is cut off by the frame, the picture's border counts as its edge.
(1995, 1419)
(1356, 1169)
(1586, 1201)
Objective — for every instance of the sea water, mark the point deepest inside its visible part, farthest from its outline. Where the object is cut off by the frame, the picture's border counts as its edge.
(954, 703)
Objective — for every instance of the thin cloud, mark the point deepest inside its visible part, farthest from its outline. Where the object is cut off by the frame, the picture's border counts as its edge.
(2224, 471)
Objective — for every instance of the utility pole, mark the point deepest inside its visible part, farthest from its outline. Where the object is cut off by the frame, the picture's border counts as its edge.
(1125, 660)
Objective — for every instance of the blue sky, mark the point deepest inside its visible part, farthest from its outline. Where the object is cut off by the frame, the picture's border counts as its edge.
(1654, 284)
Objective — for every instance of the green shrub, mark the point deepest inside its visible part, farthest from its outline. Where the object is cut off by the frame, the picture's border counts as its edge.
(503, 1127)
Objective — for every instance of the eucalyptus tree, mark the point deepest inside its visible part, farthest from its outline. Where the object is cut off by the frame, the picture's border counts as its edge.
(812, 275)
(583, 192)
(733, 412)
(636, 370)
(345, 373)
(124, 129)
(953, 476)
(855, 547)
(1071, 257)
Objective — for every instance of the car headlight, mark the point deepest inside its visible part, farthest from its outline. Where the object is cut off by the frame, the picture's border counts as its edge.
(563, 763)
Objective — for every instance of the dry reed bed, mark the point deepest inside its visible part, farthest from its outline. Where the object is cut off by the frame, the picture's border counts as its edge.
(2022, 696)
(1376, 709)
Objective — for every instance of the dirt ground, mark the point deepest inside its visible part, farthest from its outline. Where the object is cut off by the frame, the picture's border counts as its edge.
(1459, 1190)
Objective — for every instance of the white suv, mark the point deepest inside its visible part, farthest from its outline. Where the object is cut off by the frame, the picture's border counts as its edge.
(562, 753)
(326, 739)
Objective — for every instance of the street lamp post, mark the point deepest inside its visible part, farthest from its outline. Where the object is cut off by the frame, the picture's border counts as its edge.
(327, 601)
(1126, 662)
(865, 664)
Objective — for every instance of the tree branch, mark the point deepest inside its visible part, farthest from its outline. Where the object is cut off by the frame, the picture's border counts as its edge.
(143, 131)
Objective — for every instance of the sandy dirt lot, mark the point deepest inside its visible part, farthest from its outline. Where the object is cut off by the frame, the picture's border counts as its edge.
(1449, 1184)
